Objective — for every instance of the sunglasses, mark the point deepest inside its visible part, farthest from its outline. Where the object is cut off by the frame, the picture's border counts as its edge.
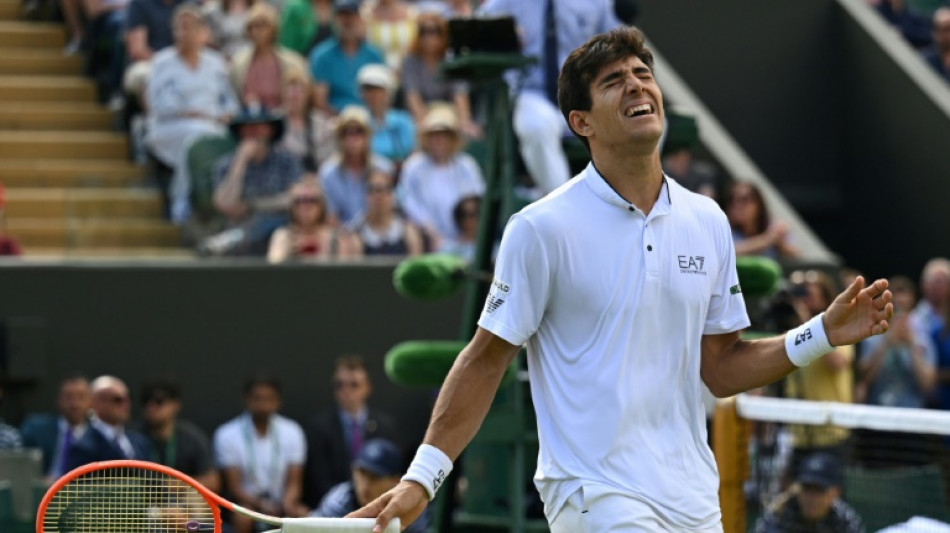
(156, 400)
(340, 384)
(380, 189)
(118, 399)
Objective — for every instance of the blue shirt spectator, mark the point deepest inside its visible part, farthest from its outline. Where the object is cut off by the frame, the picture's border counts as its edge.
(336, 61)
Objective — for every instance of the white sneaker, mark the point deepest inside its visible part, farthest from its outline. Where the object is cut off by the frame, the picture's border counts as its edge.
(72, 47)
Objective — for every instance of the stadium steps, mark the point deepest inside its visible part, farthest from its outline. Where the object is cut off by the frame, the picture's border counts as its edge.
(53, 116)
(84, 203)
(71, 191)
(68, 233)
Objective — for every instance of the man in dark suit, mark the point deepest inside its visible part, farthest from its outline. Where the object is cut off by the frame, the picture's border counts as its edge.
(55, 434)
(107, 438)
(336, 436)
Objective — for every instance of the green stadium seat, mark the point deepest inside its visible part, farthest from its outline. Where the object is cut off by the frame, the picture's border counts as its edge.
(202, 157)
(7, 515)
(884, 497)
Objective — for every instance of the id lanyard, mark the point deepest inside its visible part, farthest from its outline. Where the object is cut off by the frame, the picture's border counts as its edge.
(171, 450)
(274, 468)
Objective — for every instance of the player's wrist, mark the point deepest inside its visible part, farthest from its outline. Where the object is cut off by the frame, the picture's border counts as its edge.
(430, 467)
(807, 342)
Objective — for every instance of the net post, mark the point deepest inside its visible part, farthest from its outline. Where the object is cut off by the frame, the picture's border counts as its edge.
(731, 448)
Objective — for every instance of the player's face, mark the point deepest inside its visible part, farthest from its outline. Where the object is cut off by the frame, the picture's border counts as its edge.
(627, 106)
(815, 501)
(74, 400)
(368, 486)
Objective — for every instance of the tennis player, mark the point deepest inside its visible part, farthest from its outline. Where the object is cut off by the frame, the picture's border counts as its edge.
(623, 286)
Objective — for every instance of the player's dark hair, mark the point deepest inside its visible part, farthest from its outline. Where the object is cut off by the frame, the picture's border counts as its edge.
(261, 380)
(585, 62)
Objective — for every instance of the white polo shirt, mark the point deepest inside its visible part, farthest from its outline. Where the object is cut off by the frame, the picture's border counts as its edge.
(263, 460)
(612, 306)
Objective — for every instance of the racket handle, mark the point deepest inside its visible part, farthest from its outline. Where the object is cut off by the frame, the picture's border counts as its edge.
(334, 525)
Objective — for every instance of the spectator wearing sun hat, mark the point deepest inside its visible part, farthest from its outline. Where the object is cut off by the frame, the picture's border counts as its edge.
(253, 185)
(394, 132)
(434, 179)
(345, 175)
(8, 245)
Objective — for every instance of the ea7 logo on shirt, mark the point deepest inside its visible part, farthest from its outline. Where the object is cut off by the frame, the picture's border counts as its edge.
(493, 303)
(691, 264)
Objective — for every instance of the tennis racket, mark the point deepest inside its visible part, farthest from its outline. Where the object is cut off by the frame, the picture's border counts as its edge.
(144, 497)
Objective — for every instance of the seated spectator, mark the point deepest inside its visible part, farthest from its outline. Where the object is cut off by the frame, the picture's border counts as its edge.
(336, 436)
(435, 179)
(253, 186)
(309, 235)
(422, 80)
(898, 369)
(174, 442)
(8, 245)
(941, 337)
(107, 438)
(753, 230)
(335, 62)
(394, 133)
(377, 470)
(345, 174)
(938, 54)
(55, 434)
(935, 288)
(189, 96)
(694, 174)
(227, 20)
(466, 215)
(10, 438)
(257, 71)
(309, 132)
(261, 455)
(381, 229)
(390, 27)
(305, 24)
(912, 25)
(814, 503)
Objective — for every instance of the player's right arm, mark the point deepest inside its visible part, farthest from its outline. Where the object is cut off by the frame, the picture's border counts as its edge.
(462, 405)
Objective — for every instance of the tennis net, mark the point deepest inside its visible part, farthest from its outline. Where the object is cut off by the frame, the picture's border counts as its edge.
(890, 464)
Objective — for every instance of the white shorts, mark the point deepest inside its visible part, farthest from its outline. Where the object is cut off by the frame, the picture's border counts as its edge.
(600, 509)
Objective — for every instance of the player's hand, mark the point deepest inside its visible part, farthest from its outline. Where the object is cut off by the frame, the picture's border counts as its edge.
(859, 312)
(405, 501)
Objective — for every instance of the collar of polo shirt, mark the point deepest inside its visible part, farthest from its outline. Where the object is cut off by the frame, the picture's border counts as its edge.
(607, 193)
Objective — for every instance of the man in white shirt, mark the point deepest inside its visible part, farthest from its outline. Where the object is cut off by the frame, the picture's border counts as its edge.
(623, 286)
(261, 455)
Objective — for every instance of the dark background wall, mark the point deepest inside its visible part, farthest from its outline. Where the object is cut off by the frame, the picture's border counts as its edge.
(839, 128)
(212, 326)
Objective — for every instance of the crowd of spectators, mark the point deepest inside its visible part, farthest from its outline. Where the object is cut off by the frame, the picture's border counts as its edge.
(925, 24)
(327, 465)
(359, 90)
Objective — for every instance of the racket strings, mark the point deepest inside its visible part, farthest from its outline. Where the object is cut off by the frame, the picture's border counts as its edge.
(127, 500)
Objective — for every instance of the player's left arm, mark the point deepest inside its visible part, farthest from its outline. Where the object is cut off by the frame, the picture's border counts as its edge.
(730, 365)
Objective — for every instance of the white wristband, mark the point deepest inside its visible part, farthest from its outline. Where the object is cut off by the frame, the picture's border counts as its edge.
(429, 468)
(807, 342)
